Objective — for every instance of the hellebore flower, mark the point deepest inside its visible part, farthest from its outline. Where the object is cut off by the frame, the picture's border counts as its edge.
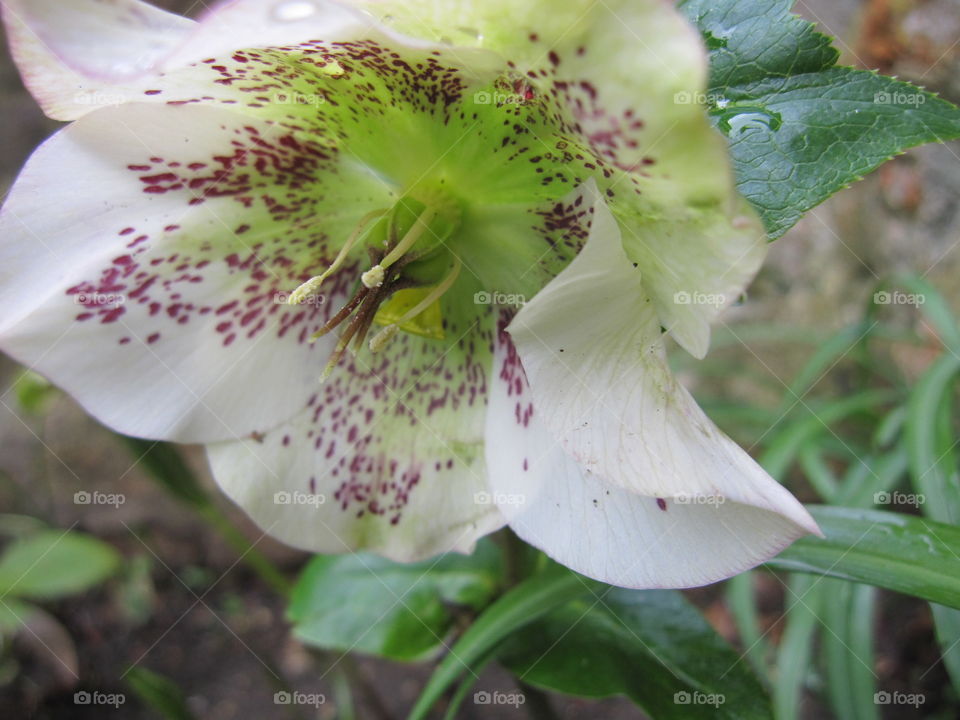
(487, 211)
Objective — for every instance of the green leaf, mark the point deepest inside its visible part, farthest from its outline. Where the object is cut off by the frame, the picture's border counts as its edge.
(651, 646)
(907, 554)
(53, 564)
(848, 648)
(369, 604)
(159, 693)
(930, 442)
(520, 606)
(800, 128)
(754, 40)
(34, 392)
(13, 615)
(804, 598)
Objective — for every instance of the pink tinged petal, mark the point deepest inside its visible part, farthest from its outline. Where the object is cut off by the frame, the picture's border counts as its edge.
(609, 465)
(144, 259)
(387, 455)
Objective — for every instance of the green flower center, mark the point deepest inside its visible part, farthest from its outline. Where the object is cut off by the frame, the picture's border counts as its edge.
(411, 269)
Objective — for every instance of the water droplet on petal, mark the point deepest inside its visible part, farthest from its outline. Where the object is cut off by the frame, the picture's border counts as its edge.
(293, 10)
(475, 35)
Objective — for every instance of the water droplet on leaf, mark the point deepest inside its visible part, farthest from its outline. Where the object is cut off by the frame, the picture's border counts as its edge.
(737, 119)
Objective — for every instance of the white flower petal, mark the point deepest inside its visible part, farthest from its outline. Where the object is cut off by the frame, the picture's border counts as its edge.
(69, 52)
(608, 533)
(388, 456)
(88, 54)
(142, 252)
(603, 414)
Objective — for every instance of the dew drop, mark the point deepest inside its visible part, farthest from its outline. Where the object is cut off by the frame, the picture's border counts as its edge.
(737, 119)
(293, 10)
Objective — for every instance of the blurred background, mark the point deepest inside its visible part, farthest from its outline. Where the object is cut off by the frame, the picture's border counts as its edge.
(183, 609)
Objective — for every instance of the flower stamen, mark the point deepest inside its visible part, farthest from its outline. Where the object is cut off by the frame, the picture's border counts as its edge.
(374, 276)
(311, 286)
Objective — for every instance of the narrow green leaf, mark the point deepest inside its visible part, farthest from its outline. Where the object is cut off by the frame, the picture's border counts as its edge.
(848, 648)
(742, 602)
(52, 564)
(159, 693)
(933, 469)
(931, 478)
(804, 598)
(786, 444)
(907, 554)
(520, 606)
(651, 646)
(368, 604)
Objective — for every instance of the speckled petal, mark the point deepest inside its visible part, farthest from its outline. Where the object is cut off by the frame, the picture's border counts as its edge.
(631, 75)
(603, 441)
(80, 56)
(145, 253)
(387, 456)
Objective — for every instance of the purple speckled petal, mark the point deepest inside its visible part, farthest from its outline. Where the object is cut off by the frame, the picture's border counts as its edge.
(388, 454)
(146, 256)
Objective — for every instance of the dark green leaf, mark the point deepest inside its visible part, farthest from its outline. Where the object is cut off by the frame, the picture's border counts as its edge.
(800, 129)
(520, 606)
(651, 646)
(369, 604)
(908, 554)
(758, 39)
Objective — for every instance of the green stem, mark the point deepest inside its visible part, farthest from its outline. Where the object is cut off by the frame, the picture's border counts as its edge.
(166, 467)
(249, 555)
